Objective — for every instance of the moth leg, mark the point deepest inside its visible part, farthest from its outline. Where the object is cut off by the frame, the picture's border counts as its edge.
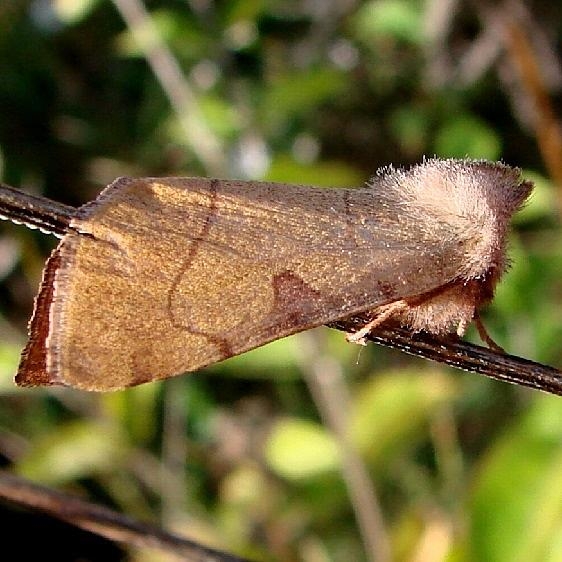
(383, 314)
(484, 336)
(463, 325)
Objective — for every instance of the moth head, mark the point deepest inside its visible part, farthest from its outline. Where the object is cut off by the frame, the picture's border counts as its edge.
(477, 199)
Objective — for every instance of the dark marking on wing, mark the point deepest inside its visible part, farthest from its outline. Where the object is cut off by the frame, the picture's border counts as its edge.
(221, 344)
(193, 249)
(140, 372)
(293, 300)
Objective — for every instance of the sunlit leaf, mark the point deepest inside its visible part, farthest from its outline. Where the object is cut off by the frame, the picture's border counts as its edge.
(73, 11)
(516, 503)
(391, 409)
(399, 19)
(299, 449)
(9, 361)
(75, 450)
(467, 136)
(330, 174)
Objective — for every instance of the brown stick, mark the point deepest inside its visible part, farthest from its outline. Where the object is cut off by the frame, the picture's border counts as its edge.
(34, 211)
(105, 522)
(467, 357)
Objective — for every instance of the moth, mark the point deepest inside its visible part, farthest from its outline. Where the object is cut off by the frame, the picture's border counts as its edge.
(161, 276)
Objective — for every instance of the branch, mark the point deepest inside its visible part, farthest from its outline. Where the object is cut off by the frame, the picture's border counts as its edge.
(34, 212)
(465, 356)
(104, 521)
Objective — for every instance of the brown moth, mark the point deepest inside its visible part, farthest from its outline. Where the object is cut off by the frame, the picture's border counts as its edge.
(159, 276)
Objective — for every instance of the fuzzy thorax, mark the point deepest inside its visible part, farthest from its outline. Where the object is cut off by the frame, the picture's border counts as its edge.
(468, 203)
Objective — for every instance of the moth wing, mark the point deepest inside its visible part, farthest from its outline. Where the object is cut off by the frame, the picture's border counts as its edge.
(163, 276)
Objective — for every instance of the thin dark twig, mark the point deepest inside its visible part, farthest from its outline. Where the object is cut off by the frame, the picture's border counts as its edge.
(465, 356)
(34, 211)
(52, 217)
(105, 522)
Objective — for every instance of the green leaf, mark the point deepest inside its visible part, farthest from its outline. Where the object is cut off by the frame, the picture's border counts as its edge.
(298, 93)
(277, 357)
(243, 10)
(9, 360)
(72, 451)
(410, 125)
(399, 19)
(391, 409)
(73, 11)
(467, 136)
(516, 504)
(298, 449)
(325, 173)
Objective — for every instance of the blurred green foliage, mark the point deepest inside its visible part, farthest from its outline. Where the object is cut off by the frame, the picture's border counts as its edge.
(240, 456)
